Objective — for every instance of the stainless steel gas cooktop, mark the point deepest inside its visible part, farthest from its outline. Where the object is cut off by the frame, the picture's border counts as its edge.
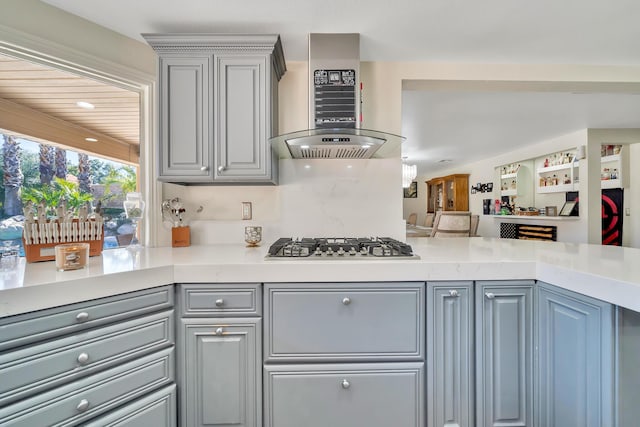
(329, 248)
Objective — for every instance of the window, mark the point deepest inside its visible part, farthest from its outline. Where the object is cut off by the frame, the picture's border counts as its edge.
(38, 172)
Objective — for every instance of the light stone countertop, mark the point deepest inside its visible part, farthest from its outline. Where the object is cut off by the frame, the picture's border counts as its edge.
(611, 274)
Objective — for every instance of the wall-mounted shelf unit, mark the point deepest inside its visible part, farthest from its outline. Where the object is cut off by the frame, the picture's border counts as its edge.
(558, 178)
(614, 167)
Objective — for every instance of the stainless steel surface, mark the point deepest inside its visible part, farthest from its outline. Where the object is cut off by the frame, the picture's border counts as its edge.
(83, 358)
(218, 331)
(335, 107)
(490, 295)
(345, 384)
(453, 293)
(346, 301)
(219, 302)
(82, 317)
(333, 248)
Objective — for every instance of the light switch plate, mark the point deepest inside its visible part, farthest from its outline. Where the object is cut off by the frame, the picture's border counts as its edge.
(246, 210)
(627, 211)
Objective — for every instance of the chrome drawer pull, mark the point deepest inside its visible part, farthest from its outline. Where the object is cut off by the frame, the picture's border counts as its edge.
(83, 405)
(490, 295)
(221, 168)
(346, 300)
(219, 302)
(345, 384)
(83, 358)
(204, 168)
(218, 331)
(82, 317)
(453, 293)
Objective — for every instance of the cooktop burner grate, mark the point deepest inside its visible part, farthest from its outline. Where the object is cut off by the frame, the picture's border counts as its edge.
(340, 248)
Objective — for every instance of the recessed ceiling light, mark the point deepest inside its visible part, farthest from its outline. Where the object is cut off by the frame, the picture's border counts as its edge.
(86, 105)
(91, 140)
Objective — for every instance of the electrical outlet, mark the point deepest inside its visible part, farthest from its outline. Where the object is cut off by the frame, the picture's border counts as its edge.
(246, 210)
(627, 211)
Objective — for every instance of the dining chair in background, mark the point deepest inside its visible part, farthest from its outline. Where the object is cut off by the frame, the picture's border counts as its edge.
(413, 219)
(451, 224)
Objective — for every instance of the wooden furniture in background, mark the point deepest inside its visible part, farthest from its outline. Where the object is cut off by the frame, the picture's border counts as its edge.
(448, 193)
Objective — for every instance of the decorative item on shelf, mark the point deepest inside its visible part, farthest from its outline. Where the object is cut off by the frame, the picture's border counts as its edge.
(409, 173)
(252, 235)
(482, 188)
(41, 234)
(173, 211)
(551, 211)
(134, 210)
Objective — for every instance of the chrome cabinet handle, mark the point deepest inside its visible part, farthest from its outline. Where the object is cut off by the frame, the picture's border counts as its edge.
(454, 293)
(219, 302)
(346, 300)
(204, 168)
(489, 295)
(82, 317)
(83, 405)
(345, 384)
(83, 358)
(218, 331)
(221, 168)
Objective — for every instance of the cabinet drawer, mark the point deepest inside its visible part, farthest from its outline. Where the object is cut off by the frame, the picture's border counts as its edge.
(355, 322)
(45, 324)
(344, 395)
(37, 367)
(88, 397)
(157, 409)
(206, 300)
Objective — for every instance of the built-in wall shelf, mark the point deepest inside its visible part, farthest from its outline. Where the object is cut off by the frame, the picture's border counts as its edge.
(613, 168)
(559, 173)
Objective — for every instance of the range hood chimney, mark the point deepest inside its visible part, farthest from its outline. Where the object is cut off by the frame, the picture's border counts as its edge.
(334, 106)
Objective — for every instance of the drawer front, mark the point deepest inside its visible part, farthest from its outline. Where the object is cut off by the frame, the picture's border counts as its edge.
(344, 395)
(348, 322)
(157, 409)
(88, 397)
(206, 300)
(26, 328)
(32, 369)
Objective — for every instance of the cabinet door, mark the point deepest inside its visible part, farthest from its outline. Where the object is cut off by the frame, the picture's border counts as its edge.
(344, 395)
(220, 368)
(241, 91)
(450, 354)
(185, 136)
(574, 375)
(504, 345)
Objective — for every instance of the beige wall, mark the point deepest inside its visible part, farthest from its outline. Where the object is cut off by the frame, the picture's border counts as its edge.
(48, 23)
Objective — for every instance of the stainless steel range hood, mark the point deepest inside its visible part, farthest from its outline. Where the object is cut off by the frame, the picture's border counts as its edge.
(334, 107)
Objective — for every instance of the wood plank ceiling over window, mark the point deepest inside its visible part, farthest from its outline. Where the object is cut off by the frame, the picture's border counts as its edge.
(40, 102)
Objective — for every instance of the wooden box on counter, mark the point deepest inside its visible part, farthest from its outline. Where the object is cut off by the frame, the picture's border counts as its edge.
(45, 251)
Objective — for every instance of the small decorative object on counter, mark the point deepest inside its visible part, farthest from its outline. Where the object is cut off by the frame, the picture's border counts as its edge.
(173, 211)
(71, 256)
(252, 235)
(42, 234)
(134, 210)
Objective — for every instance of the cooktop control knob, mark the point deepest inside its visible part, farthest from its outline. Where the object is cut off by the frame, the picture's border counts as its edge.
(364, 251)
(341, 251)
(352, 251)
(329, 251)
(318, 252)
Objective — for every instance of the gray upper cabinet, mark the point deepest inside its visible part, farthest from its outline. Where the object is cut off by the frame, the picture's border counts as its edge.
(504, 353)
(575, 366)
(185, 137)
(217, 102)
(450, 350)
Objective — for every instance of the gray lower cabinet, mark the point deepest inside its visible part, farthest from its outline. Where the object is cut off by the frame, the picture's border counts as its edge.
(218, 107)
(344, 395)
(220, 372)
(68, 365)
(504, 353)
(574, 378)
(157, 409)
(344, 354)
(450, 354)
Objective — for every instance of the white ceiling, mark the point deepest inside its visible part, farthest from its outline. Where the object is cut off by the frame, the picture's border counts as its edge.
(440, 124)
